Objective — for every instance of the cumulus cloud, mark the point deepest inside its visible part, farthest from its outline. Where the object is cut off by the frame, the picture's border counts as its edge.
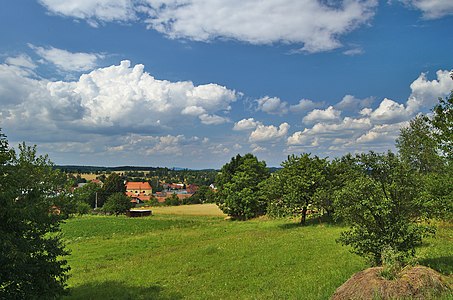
(432, 9)
(264, 133)
(246, 124)
(424, 93)
(385, 133)
(68, 61)
(303, 106)
(315, 24)
(213, 119)
(389, 111)
(272, 105)
(193, 110)
(120, 97)
(319, 115)
(351, 103)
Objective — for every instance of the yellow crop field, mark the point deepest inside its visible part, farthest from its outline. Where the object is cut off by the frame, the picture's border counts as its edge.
(189, 210)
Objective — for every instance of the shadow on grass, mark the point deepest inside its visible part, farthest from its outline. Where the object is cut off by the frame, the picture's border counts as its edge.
(443, 264)
(119, 290)
(324, 220)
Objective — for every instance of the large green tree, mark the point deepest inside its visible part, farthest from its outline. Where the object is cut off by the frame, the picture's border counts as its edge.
(442, 121)
(32, 263)
(302, 178)
(380, 204)
(417, 146)
(238, 184)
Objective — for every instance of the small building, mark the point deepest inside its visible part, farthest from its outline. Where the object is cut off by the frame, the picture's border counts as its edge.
(139, 191)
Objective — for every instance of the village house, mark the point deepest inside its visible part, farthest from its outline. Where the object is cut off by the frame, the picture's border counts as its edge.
(139, 191)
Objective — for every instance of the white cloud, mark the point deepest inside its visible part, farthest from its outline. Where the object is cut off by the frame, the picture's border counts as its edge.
(432, 9)
(272, 105)
(246, 124)
(386, 133)
(117, 98)
(425, 93)
(329, 114)
(353, 51)
(68, 61)
(389, 111)
(315, 24)
(103, 10)
(257, 148)
(303, 106)
(351, 103)
(170, 145)
(21, 60)
(193, 110)
(213, 119)
(268, 133)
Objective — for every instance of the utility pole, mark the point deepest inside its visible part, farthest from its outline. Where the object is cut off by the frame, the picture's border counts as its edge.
(96, 201)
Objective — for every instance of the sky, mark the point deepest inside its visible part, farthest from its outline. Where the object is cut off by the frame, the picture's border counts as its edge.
(191, 83)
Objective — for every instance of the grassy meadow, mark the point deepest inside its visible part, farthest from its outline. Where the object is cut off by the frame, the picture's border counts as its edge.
(171, 255)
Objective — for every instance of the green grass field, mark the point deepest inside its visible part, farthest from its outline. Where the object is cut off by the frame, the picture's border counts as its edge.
(205, 257)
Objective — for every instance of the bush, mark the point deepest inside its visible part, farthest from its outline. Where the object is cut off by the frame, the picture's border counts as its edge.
(82, 208)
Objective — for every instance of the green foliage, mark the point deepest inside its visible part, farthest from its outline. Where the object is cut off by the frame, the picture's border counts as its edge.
(300, 180)
(437, 194)
(31, 249)
(173, 200)
(392, 262)
(442, 121)
(380, 204)
(238, 185)
(82, 208)
(113, 184)
(117, 203)
(88, 193)
(417, 147)
(204, 194)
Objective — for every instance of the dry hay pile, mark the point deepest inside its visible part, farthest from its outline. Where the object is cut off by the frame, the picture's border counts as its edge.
(412, 283)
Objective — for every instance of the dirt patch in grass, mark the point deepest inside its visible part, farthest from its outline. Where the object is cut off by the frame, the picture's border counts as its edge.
(417, 282)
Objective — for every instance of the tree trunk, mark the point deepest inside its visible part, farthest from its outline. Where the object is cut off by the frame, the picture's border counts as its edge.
(304, 216)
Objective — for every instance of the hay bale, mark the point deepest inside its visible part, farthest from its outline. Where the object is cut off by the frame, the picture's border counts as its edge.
(417, 282)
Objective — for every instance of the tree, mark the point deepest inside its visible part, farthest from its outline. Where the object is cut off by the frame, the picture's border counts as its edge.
(204, 194)
(380, 205)
(442, 121)
(417, 146)
(31, 249)
(117, 203)
(238, 183)
(113, 184)
(301, 177)
(88, 193)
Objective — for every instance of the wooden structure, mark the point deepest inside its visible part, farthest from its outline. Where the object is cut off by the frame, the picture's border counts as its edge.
(139, 213)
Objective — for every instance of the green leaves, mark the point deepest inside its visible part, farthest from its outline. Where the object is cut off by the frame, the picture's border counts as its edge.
(30, 247)
(238, 183)
(381, 206)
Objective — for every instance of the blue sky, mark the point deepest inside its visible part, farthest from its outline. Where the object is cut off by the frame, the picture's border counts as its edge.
(192, 83)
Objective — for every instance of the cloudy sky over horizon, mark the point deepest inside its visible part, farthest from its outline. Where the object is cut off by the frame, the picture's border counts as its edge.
(192, 83)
